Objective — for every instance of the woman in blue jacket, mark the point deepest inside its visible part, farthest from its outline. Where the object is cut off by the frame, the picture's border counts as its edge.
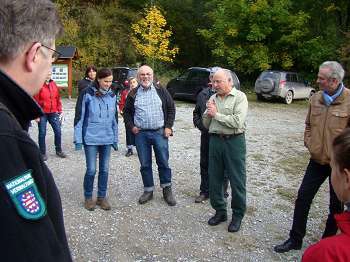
(96, 127)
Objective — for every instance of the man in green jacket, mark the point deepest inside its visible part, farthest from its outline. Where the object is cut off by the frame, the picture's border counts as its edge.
(225, 118)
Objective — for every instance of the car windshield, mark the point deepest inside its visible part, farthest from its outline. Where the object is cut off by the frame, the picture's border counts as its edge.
(132, 73)
(270, 74)
(184, 76)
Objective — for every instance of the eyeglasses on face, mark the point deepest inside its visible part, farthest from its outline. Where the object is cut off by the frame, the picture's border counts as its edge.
(217, 81)
(55, 53)
(147, 74)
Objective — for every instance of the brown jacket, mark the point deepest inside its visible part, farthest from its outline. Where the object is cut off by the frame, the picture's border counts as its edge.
(324, 123)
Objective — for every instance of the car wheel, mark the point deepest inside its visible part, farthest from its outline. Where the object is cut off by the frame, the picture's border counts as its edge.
(289, 97)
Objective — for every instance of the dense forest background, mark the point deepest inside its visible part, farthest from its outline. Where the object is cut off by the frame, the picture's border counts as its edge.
(247, 36)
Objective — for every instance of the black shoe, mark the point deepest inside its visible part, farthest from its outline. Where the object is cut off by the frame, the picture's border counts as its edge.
(217, 219)
(202, 197)
(235, 225)
(44, 156)
(287, 246)
(61, 154)
(145, 197)
(129, 153)
(168, 196)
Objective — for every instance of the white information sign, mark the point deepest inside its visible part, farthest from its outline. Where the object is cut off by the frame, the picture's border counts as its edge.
(60, 74)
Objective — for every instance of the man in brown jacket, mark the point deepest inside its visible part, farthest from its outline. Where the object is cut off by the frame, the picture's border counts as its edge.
(328, 115)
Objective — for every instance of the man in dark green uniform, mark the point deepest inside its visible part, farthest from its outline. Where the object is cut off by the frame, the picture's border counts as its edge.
(31, 220)
(225, 118)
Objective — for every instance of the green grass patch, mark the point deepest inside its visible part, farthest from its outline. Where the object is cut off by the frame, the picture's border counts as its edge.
(181, 103)
(257, 157)
(233, 241)
(251, 210)
(282, 207)
(189, 193)
(288, 194)
(294, 166)
(259, 183)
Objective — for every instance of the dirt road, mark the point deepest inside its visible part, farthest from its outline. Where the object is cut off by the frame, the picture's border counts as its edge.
(276, 160)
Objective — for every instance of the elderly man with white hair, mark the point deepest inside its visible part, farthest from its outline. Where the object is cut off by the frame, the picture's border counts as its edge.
(328, 116)
(225, 117)
(149, 113)
(201, 106)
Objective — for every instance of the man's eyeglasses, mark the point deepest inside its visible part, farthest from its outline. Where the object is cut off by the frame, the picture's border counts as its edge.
(55, 54)
(147, 74)
(217, 81)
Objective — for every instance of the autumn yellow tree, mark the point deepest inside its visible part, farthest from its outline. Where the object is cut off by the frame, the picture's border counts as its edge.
(151, 37)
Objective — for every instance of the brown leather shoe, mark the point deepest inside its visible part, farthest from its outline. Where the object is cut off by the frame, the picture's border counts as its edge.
(103, 203)
(201, 198)
(145, 197)
(90, 204)
(168, 196)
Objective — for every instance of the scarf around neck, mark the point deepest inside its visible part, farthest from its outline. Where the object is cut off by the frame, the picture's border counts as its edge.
(328, 100)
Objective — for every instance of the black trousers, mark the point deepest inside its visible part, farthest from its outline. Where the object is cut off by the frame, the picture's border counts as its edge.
(130, 137)
(204, 159)
(314, 177)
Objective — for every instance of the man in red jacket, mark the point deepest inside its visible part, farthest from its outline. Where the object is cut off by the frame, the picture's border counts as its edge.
(50, 101)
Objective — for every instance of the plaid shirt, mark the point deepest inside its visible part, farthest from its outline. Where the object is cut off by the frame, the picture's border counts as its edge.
(148, 109)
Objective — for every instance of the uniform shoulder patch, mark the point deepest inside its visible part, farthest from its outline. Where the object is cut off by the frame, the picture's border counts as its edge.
(26, 196)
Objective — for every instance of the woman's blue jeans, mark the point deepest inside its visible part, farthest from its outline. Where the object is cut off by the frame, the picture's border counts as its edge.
(104, 153)
(54, 121)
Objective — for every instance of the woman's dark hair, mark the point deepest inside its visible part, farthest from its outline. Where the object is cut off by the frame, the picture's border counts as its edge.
(90, 68)
(341, 149)
(103, 72)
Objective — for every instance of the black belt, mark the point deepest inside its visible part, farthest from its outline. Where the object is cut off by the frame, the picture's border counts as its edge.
(224, 136)
(142, 129)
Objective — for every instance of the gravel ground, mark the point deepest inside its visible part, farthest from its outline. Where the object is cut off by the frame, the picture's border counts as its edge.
(276, 160)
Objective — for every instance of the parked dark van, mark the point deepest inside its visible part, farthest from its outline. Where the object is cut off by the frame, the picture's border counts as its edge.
(190, 83)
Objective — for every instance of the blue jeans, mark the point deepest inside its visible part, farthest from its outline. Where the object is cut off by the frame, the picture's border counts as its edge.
(54, 121)
(144, 141)
(104, 152)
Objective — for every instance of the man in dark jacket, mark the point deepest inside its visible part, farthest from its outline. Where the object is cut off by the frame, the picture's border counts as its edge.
(202, 99)
(201, 106)
(149, 113)
(31, 220)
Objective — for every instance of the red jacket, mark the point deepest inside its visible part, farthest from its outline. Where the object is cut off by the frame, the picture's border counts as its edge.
(336, 248)
(49, 98)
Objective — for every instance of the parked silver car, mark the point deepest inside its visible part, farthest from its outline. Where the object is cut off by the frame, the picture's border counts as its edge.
(281, 84)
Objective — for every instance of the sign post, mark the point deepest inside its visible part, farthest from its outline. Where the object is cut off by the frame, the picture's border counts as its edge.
(62, 68)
